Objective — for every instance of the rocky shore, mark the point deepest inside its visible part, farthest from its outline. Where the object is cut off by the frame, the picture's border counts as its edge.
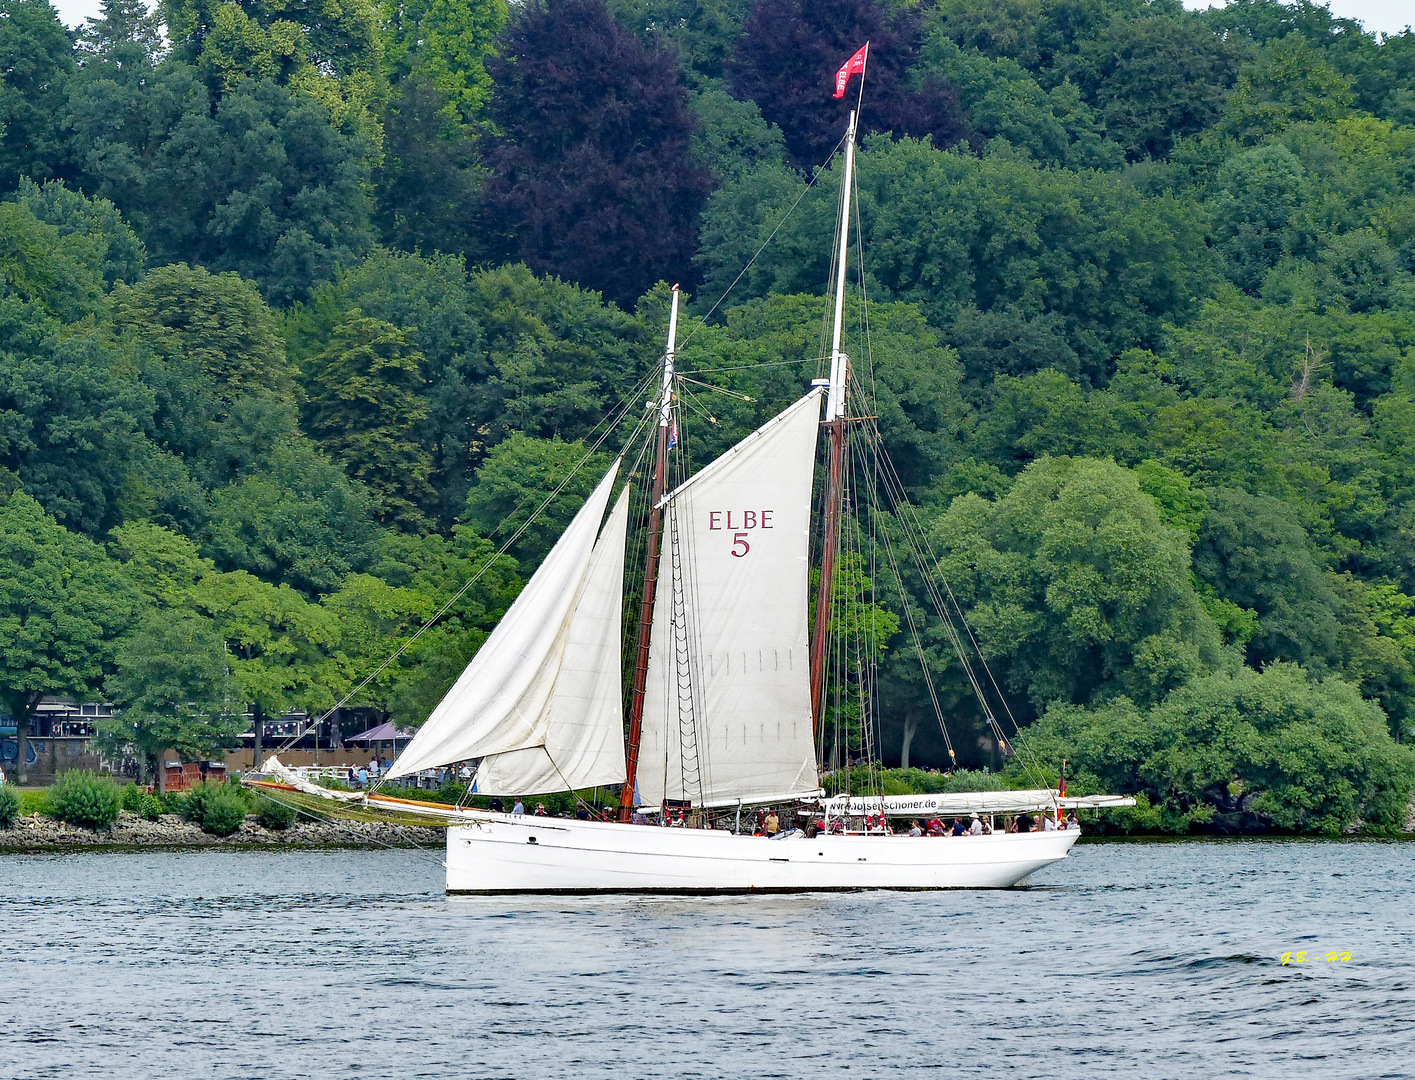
(38, 833)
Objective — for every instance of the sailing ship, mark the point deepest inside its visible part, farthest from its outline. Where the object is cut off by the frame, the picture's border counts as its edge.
(727, 693)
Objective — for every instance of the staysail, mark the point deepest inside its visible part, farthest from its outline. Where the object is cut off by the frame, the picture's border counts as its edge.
(727, 708)
(503, 700)
(584, 733)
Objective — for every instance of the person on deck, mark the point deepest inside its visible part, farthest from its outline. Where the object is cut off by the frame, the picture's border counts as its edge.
(582, 812)
(540, 810)
(1024, 823)
(935, 827)
(520, 807)
(772, 825)
(959, 829)
(497, 806)
(975, 826)
(1048, 823)
(916, 829)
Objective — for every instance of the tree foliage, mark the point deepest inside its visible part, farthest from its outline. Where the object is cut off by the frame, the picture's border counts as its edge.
(303, 307)
(787, 56)
(169, 682)
(592, 175)
(1239, 750)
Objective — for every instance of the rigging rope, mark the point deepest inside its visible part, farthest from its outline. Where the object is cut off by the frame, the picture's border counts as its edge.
(611, 421)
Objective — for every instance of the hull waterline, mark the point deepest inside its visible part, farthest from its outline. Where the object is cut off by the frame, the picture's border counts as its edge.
(500, 854)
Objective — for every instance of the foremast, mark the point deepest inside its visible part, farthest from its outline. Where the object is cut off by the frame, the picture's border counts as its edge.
(655, 534)
(834, 495)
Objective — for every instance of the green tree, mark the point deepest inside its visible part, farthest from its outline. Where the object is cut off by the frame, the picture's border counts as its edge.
(63, 606)
(36, 60)
(1007, 106)
(1239, 750)
(1257, 197)
(732, 139)
(444, 45)
(72, 425)
(951, 232)
(51, 273)
(266, 180)
(429, 182)
(364, 409)
(558, 355)
(430, 300)
(1075, 585)
(216, 322)
(278, 644)
(169, 684)
(116, 247)
(702, 31)
(1254, 553)
(1155, 80)
(517, 477)
(1288, 83)
(298, 521)
(412, 576)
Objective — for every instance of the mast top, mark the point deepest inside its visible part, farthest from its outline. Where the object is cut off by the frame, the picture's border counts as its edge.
(839, 362)
(665, 406)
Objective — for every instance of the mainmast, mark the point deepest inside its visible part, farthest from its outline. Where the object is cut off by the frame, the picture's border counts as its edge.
(641, 661)
(835, 424)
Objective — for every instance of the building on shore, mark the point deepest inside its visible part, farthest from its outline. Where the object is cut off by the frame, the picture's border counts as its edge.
(60, 737)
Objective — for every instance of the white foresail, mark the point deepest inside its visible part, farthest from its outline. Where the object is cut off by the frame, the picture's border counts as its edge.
(502, 701)
(727, 708)
(584, 735)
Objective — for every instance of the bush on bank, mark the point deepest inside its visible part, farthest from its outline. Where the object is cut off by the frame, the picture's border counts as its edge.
(1276, 751)
(138, 800)
(275, 816)
(84, 798)
(9, 806)
(223, 811)
(218, 808)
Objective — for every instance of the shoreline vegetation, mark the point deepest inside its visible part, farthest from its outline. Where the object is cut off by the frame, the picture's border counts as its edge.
(133, 833)
(85, 810)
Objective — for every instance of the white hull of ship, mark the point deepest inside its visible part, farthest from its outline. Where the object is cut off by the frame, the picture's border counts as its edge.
(500, 854)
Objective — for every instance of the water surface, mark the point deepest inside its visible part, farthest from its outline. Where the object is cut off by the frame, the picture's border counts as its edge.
(1141, 960)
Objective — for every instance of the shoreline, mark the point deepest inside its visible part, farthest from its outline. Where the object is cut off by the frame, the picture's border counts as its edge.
(131, 832)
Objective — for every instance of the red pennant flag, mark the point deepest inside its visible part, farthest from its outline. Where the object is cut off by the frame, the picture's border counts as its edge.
(854, 66)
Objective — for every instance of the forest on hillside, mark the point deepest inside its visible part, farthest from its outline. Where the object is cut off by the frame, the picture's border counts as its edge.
(300, 299)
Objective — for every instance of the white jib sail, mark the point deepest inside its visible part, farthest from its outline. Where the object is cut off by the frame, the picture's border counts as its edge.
(727, 709)
(502, 700)
(584, 735)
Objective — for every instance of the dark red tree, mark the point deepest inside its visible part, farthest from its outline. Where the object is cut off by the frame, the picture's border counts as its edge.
(591, 173)
(789, 52)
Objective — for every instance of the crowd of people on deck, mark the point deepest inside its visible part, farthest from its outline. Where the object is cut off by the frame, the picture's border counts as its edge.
(771, 823)
(878, 824)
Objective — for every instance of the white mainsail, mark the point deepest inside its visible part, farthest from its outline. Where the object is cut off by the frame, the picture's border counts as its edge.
(584, 733)
(503, 699)
(727, 708)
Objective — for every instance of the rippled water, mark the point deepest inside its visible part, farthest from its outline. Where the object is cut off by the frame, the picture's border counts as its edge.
(1144, 960)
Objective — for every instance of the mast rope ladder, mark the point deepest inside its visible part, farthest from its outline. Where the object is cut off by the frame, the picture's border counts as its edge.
(689, 765)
